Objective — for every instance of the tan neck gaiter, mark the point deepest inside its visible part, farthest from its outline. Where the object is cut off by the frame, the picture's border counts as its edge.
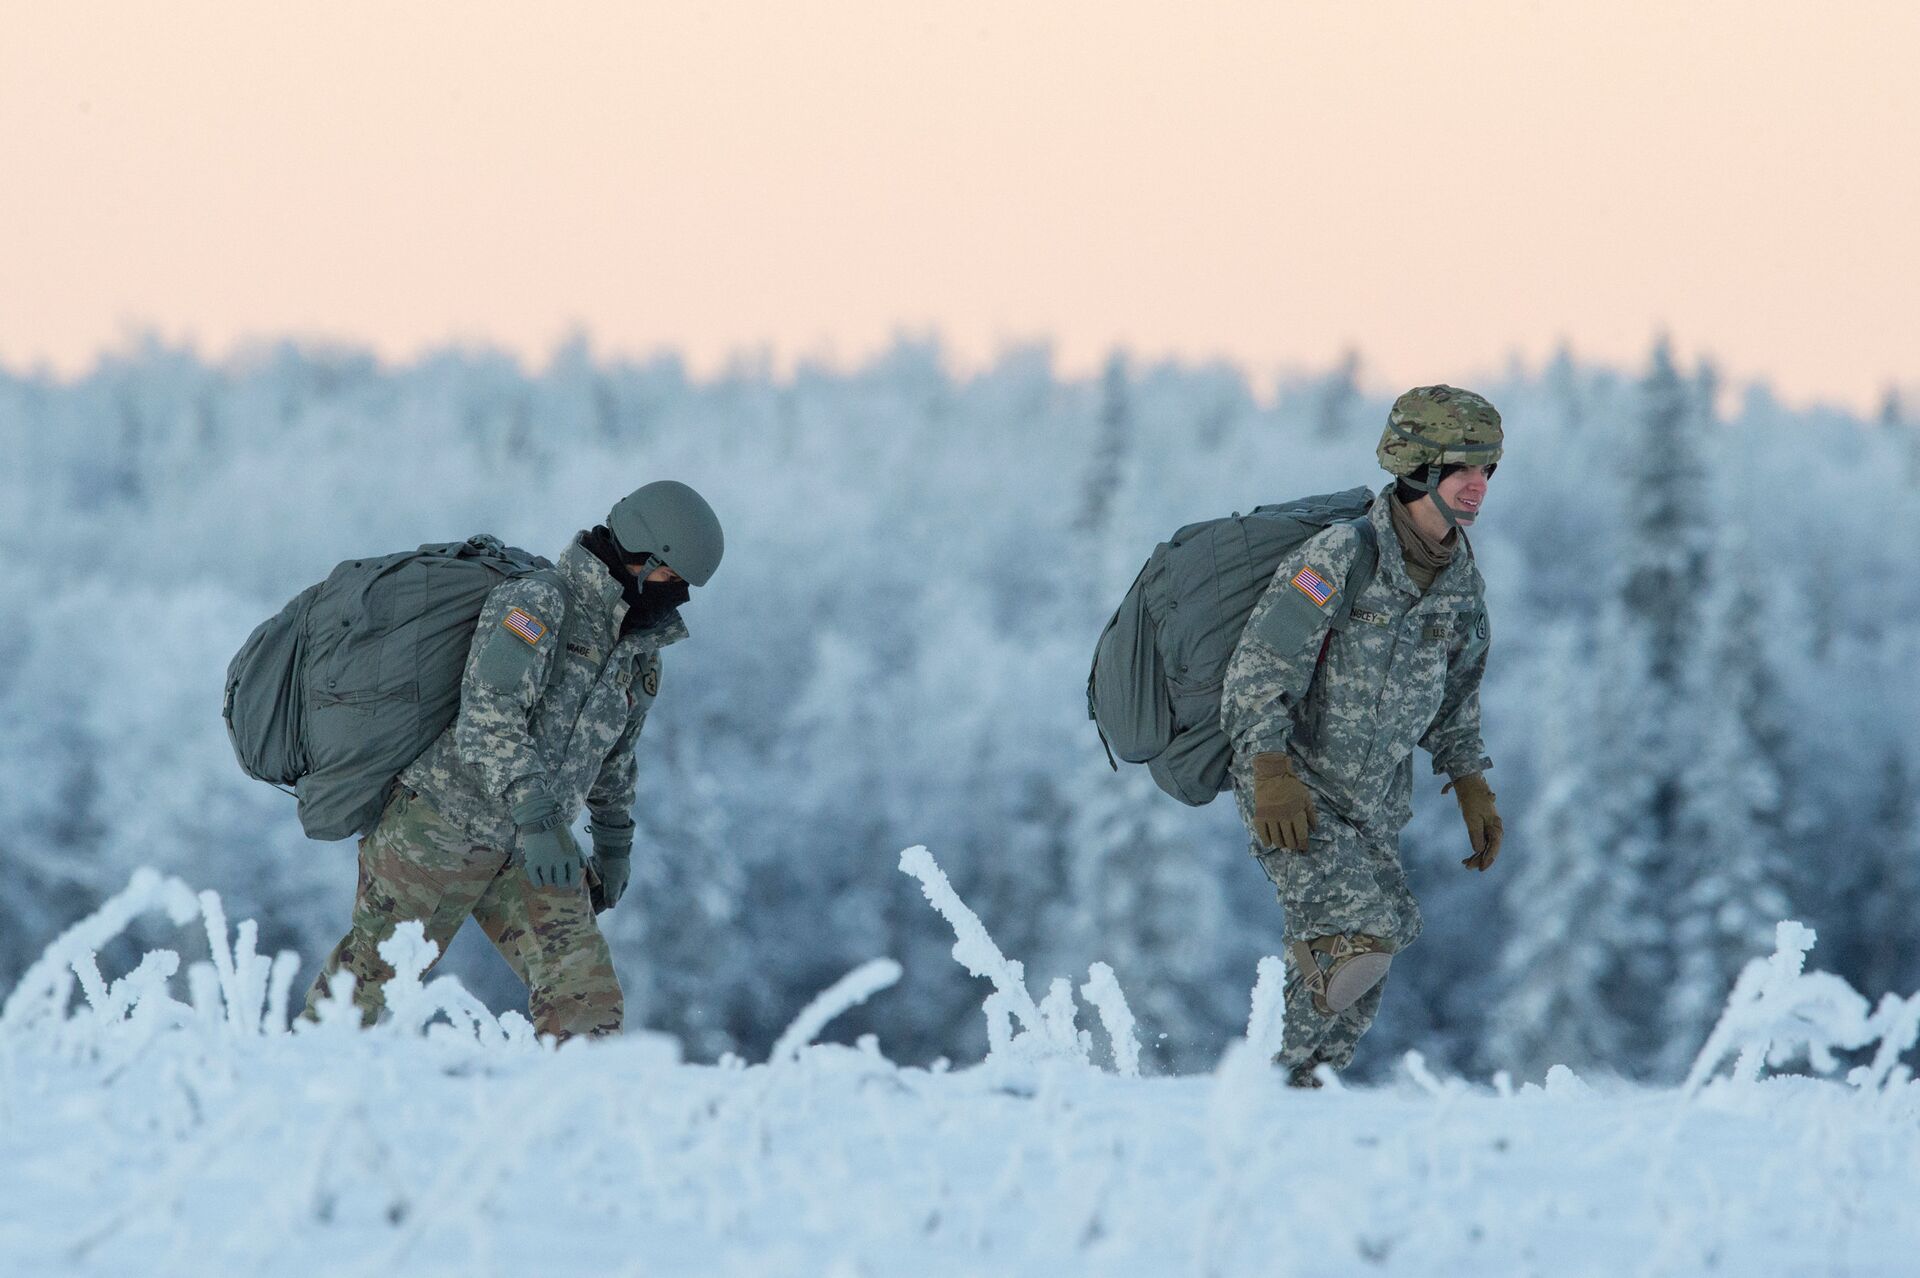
(1426, 558)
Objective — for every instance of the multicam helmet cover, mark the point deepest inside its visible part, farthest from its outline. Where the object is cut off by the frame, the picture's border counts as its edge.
(1440, 426)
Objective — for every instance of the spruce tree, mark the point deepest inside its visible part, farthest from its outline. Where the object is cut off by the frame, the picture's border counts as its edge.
(1884, 916)
(1570, 893)
(1593, 953)
(1728, 856)
(1654, 740)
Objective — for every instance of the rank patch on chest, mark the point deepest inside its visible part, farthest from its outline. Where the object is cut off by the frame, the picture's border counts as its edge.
(1313, 586)
(525, 624)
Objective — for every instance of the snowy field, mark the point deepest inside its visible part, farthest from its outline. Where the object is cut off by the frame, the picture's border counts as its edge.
(166, 1121)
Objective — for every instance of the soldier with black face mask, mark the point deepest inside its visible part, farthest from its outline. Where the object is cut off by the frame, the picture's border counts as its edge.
(649, 596)
(563, 668)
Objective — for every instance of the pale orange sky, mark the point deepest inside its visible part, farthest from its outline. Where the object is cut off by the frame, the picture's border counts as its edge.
(1436, 184)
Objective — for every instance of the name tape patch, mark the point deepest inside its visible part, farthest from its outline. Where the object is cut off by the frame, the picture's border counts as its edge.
(525, 624)
(1313, 586)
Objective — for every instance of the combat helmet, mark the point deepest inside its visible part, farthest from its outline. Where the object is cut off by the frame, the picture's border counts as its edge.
(668, 522)
(1432, 427)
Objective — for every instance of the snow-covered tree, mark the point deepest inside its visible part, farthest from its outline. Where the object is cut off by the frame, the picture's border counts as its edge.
(896, 649)
(1574, 895)
(1879, 906)
(1728, 857)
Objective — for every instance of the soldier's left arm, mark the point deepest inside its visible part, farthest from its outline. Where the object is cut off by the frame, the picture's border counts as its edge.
(1453, 737)
(610, 799)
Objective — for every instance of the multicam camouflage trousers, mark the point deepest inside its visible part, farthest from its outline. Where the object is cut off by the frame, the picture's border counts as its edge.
(416, 866)
(1345, 882)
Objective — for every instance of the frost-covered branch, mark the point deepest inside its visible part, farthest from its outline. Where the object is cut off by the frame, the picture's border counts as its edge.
(1049, 1031)
(845, 994)
(46, 988)
(1778, 1012)
(1103, 991)
(1267, 1020)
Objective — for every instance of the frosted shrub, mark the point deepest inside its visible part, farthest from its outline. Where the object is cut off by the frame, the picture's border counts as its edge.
(1779, 1014)
(238, 995)
(1018, 1028)
(845, 994)
(44, 995)
(1102, 990)
(253, 992)
(439, 1008)
(1246, 1064)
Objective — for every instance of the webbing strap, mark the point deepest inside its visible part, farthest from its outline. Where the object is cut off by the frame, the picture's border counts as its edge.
(552, 577)
(1432, 489)
(1359, 575)
(1308, 975)
(1463, 450)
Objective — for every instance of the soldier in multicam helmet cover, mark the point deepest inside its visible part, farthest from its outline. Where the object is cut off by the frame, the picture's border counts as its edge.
(563, 668)
(1324, 720)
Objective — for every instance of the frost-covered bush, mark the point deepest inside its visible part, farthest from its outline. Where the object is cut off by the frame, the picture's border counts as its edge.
(1780, 1014)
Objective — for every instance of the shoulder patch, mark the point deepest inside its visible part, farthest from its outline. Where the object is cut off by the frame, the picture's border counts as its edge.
(650, 681)
(1287, 621)
(1313, 586)
(525, 624)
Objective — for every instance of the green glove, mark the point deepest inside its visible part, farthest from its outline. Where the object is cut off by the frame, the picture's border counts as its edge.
(612, 862)
(547, 847)
(1282, 805)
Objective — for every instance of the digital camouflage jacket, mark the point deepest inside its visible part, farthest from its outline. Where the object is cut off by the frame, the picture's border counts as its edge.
(1405, 672)
(552, 699)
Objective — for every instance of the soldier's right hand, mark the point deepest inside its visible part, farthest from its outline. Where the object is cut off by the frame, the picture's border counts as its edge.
(1283, 813)
(547, 849)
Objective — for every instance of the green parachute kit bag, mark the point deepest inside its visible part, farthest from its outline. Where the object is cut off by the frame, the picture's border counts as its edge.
(1160, 664)
(345, 686)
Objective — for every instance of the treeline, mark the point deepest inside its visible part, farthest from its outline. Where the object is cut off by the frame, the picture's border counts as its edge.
(1705, 641)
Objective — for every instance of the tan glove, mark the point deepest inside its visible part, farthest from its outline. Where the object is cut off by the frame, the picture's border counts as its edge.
(1282, 805)
(1483, 819)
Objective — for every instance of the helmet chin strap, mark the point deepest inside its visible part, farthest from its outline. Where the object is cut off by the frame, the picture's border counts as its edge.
(1464, 456)
(1432, 489)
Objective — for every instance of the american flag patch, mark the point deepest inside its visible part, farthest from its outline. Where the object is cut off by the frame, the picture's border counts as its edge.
(1313, 586)
(524, 624)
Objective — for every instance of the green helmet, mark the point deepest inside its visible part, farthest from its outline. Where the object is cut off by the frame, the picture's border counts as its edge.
(672, 523)
(1440, 426)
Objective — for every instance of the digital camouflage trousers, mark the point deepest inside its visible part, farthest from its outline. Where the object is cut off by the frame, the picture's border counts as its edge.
(1347, 882)
(416, 866)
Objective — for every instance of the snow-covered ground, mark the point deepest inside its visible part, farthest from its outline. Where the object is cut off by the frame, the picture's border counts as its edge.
(146, 1133)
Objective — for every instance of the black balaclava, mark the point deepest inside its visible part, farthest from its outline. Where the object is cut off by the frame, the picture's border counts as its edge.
(648, 602)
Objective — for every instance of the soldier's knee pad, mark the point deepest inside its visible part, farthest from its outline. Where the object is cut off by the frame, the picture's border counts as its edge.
(1338, 970)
